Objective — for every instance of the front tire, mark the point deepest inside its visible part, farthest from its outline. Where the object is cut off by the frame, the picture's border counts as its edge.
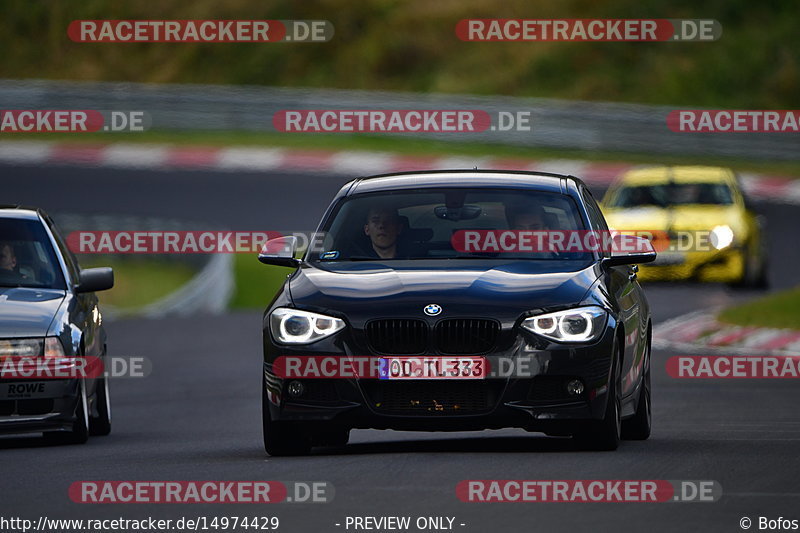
(638, 427)
(282, 438)
(755, 274)
(101, 424)
(605, 434)
(79, 433)
(335, 436)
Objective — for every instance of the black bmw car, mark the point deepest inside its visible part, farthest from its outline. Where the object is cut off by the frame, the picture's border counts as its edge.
(50, 325)
(547, 340)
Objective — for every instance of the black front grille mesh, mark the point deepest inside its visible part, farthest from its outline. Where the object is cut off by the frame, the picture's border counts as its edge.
(398, 336)
(466, 336)
(455, 336)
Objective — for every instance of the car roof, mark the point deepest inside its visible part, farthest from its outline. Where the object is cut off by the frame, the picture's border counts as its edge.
(20, 212)
(677, 174)
(545, 181)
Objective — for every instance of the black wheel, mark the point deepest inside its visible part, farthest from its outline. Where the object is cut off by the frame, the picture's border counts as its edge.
(762, 280)
(282, 438)
(638, 426)
(101, 423)
(79, 433)
(335, 436)
(605, 434)
(755, 275)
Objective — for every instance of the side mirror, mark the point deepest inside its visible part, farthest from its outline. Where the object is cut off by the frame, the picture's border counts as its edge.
(630, 250)
(280, 252)
(95, 279)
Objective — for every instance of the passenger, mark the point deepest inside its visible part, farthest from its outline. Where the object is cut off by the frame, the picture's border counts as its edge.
(531, 218)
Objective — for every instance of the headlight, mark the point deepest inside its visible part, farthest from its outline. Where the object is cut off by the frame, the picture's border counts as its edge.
(47, 346)
(582, 324)
(721, 237)
(292, 326)
(21, 347)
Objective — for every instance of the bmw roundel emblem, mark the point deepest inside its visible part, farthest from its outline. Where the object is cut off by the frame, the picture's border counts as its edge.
(433, 309)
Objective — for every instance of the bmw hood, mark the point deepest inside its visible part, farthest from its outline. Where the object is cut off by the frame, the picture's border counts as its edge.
(26, 312)
(504, 291)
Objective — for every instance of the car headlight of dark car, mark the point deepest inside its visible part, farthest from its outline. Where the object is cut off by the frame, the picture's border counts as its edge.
(35, 347)
(293, 326)
(581, 324)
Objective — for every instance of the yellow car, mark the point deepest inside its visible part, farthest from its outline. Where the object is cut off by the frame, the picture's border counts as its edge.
(697, 220)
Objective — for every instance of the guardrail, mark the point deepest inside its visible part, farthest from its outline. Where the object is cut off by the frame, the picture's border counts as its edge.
(556, 123)
(209, 291)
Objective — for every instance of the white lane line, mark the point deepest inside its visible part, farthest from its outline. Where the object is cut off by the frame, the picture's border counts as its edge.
(463, 162)
(25, 151)
(357, 163)
(572, 167)
(253, 159)
(135, 156)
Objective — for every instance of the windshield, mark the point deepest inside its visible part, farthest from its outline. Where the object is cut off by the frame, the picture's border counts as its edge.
(27, 258)
(671, 194)
(421, 224)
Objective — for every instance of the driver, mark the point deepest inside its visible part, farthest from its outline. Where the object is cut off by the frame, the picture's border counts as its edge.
(8, 259)
(383, 227)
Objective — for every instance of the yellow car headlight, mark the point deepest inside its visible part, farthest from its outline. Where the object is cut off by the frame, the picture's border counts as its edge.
(721, 237)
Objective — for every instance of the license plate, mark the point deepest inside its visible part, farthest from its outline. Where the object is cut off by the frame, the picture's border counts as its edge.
(433, 368)
(666, 258)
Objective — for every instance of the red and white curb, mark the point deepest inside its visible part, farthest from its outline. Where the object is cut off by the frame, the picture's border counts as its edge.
(700, 332)
(346, 162)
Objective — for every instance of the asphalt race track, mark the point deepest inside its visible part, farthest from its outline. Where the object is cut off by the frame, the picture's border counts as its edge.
(197, 416)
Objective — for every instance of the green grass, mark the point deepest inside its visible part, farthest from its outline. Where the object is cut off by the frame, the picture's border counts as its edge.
(779, 310)
(402, 146)
(140, 282)
(256, 283)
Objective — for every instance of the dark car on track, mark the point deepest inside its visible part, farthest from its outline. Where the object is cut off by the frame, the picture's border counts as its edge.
(49, 313)
(390, 283)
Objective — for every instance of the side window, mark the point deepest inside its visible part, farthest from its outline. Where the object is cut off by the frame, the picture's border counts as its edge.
(595, 215)
(738, 193)
(69, 258)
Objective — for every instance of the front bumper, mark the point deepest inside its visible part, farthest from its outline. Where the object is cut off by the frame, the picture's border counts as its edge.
(719, 266)
(528, 392)
(31, 406)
